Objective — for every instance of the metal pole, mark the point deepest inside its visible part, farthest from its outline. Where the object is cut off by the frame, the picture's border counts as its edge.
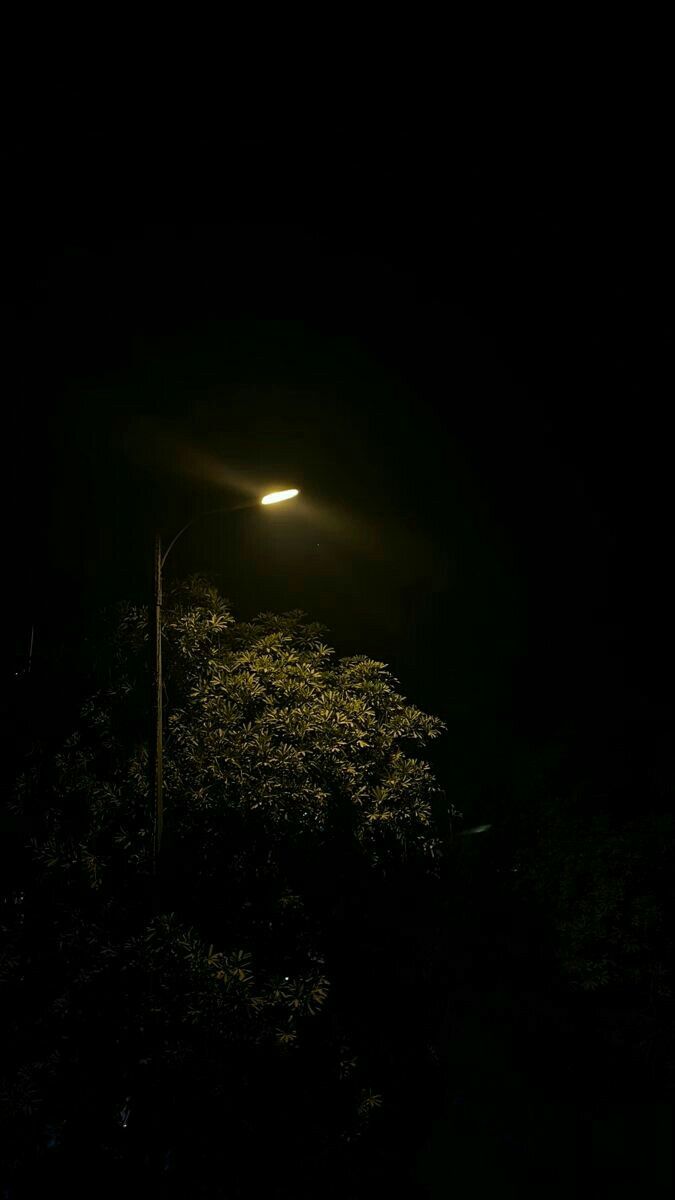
(156, 736)
(156, 757)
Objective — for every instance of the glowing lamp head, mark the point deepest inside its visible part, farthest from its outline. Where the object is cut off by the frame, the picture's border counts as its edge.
(277, 497)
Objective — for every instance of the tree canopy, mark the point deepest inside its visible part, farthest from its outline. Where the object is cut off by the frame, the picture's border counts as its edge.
(293, 783)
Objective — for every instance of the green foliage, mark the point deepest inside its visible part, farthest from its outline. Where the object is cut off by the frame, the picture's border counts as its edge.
(290, 775)
(265, 721)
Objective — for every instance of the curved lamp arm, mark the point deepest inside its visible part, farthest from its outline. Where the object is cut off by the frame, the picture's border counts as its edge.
(209, 512)
(271, 498)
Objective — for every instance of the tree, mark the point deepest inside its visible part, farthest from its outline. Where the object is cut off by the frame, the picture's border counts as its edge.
(293, 788)
(599, 867)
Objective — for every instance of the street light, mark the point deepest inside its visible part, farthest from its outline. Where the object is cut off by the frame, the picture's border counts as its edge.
(157, 747)
(277, 497)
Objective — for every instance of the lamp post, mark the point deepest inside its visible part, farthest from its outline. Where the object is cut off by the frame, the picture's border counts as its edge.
(157, 742)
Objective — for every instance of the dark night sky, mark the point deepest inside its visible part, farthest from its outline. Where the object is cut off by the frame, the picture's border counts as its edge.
(472, 403)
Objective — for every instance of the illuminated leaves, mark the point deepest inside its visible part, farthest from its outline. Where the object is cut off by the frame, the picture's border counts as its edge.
(317, 994)
(275, 750)
(368, 1101)
(236, 966)
(286, 1036)
(263, 721)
